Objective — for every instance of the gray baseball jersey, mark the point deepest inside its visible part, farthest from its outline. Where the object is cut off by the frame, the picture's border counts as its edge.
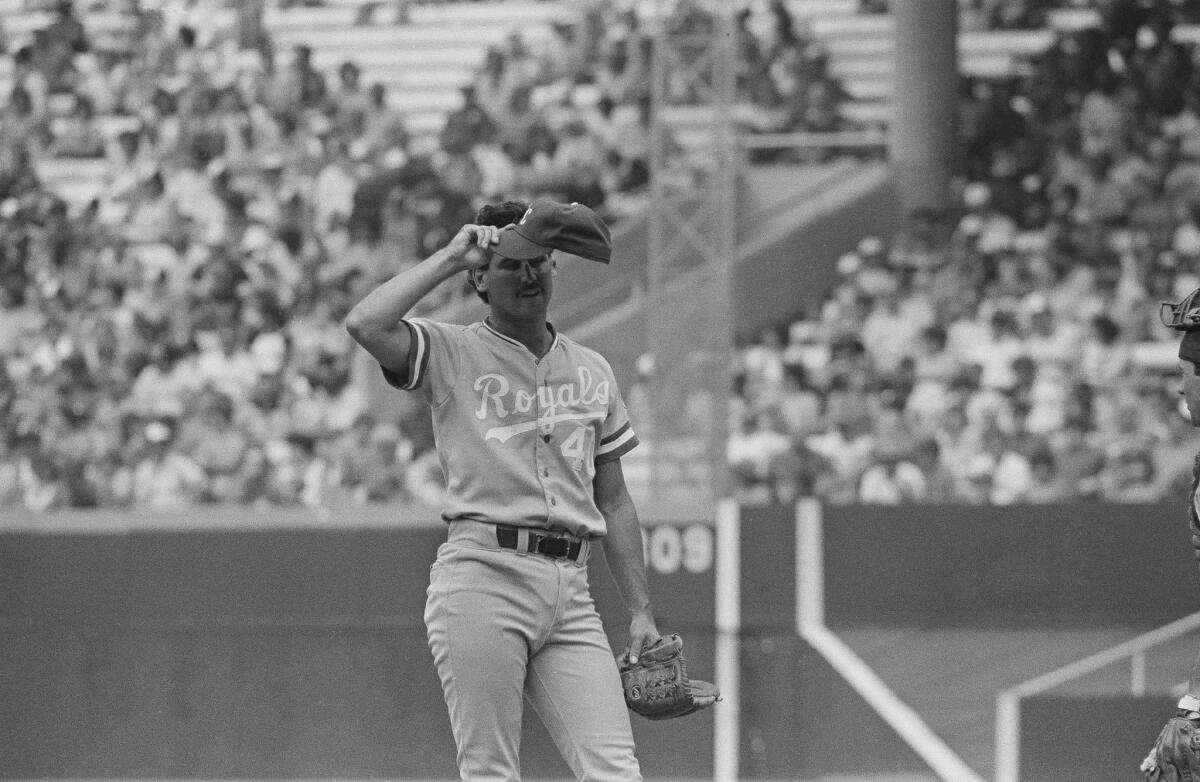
(518, 438)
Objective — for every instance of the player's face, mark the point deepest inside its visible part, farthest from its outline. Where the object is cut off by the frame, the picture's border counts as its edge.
(1189, 389)
(522, 286)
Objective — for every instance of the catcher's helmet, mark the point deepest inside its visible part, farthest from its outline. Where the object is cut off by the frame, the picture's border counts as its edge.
(1184, 316)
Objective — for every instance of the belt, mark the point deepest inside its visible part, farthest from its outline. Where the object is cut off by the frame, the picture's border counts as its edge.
(538, 543)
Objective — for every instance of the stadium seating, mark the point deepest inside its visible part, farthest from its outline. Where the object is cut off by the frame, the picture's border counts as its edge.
(425, 53)
(437, 49)
(425, 60)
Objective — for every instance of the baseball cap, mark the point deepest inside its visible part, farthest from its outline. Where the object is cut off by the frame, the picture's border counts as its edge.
(549, 225)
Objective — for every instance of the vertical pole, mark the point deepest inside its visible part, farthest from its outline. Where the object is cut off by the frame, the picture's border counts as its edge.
(924, 131)
(726, 715)
(1008, 737)
(691, 242)
(1137, 673)
(656, 232)
(810, 566)
(724, 195)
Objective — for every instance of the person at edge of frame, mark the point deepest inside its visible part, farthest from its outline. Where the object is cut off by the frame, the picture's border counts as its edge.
(1176, 753)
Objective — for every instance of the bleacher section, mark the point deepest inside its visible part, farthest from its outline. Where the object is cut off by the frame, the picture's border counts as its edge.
(860, 47)
(19, 19)
(424, 61)
(427, 59)
(428, 55)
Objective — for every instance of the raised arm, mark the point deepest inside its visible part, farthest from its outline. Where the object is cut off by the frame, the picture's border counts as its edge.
(375, 323)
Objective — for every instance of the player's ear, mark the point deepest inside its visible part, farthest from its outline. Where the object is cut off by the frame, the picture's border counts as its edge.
(479, 279)
(553, 266)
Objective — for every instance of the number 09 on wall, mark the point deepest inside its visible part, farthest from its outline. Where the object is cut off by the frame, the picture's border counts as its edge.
(669, 548)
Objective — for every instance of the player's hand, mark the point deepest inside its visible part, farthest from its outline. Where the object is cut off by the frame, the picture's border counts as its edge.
(471, 246)
(643, 632)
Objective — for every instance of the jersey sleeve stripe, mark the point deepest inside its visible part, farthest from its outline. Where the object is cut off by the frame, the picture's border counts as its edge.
(418, 355)
(619, 433)
(617, 448)
(619, 439)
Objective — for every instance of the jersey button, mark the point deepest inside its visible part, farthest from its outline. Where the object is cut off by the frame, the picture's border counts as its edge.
(546, 438)
(553, 501)
(545, 473)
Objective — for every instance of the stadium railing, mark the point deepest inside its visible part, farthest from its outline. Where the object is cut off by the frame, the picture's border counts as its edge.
(1136, 651)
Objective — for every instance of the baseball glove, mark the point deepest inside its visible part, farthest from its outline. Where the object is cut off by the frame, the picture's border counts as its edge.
(1176, 754)
(657, 685)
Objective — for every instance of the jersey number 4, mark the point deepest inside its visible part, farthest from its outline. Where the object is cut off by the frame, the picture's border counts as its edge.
(575, 446)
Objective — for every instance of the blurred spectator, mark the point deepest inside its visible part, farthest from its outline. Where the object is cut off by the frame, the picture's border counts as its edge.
(298, 85)
(799, 403)
(27, 76)
(893, 478)
(22, 125)
(158, 476)
(468, 125)
(384, 129)
(753, 451)
(938, 479)
(58, 43)
(209, 437)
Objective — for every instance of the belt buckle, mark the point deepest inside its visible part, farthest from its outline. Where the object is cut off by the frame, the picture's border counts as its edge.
(551, 546)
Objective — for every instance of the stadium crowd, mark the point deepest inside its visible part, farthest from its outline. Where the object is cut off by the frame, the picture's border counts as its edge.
(1008, 350)
(175, 337)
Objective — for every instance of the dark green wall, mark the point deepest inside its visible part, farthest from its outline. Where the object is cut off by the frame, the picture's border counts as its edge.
(146, 651)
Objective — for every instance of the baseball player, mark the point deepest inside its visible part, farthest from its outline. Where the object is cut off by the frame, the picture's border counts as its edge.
(530, 429)
(1176, 753)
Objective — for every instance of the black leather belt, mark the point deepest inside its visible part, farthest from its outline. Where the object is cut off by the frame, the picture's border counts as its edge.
(546, 545)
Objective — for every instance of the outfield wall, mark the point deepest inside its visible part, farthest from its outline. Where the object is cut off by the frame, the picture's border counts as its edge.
(239, 644)
(1090, 739)
(1085, 563)
(242, 643)
(947, 565)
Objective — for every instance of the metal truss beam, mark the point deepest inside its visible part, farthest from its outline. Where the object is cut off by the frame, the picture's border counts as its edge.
(692, 242)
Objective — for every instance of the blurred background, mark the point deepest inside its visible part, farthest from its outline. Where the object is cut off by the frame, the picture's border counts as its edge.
(884, 307)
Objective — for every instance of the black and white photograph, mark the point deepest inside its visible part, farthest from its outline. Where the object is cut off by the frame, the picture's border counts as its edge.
(600, 390)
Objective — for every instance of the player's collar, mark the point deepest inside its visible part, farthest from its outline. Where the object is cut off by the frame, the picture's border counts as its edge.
(518, 343)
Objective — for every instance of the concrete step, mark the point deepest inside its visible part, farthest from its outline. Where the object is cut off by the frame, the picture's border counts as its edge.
(503, 13)
(406, 99)
(810, 9)
(869, 89)
(866, 47)
(457, 57)
(423, 122)
(878, 42)
(326, 17)
(857, 26)
(1005, 41)
(382, 36)
(869, 113)
(420, 79)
